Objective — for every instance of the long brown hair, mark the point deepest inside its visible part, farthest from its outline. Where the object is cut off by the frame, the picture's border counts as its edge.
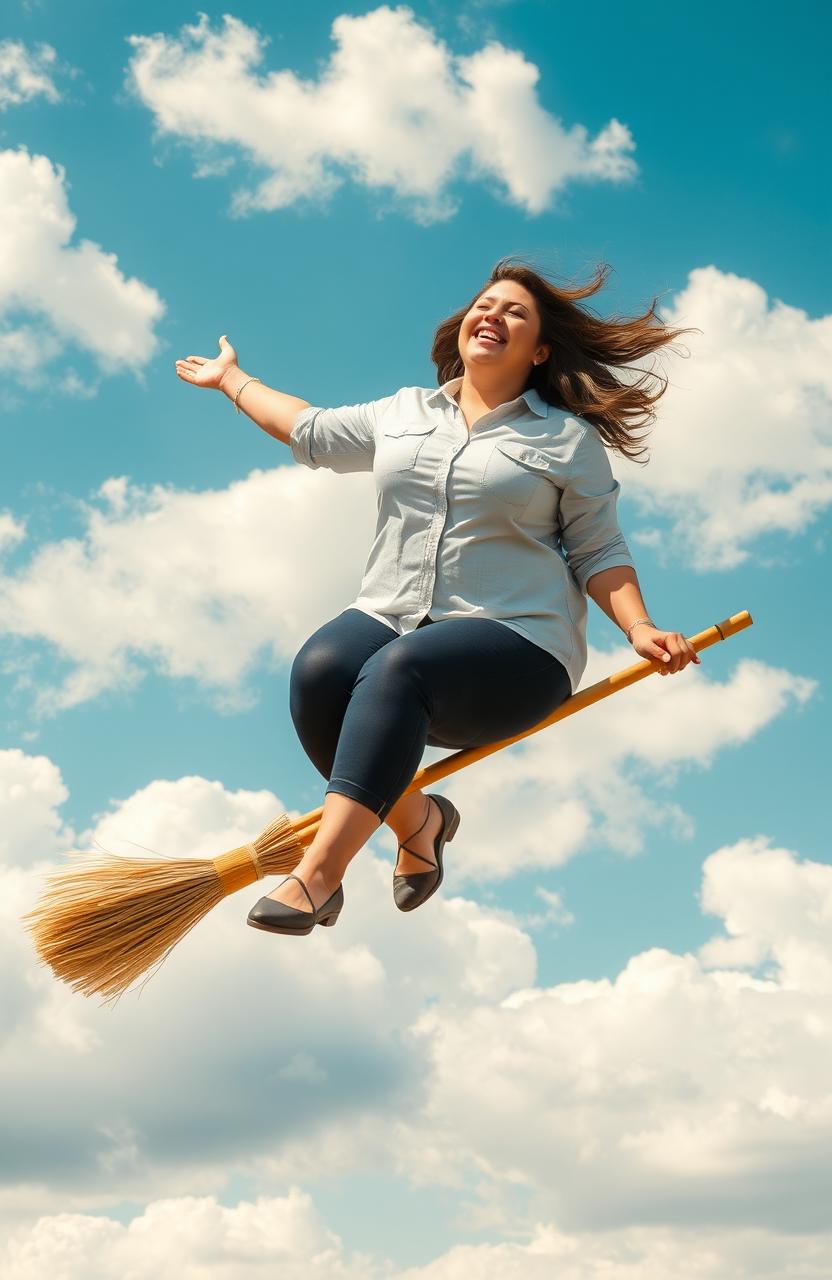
(585, 348)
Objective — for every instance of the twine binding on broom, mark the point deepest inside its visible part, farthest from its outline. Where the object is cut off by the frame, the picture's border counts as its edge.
(232, 869)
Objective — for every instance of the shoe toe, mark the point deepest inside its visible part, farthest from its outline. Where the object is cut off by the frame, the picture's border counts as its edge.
(262, 909)
(267, 911)
(409, 891)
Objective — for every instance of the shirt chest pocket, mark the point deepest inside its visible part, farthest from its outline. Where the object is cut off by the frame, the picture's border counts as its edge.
(399, 446)
(518, 476)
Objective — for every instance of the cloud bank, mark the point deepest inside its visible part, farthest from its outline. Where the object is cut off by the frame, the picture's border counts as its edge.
(392, 108)
(644, 1121)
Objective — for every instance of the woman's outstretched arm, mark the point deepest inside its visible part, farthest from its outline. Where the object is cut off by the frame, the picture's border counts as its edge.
(274, 411)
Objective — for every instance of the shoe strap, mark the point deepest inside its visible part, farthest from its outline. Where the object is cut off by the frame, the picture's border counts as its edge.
(303, 886)
(418, 829)
(429, 861)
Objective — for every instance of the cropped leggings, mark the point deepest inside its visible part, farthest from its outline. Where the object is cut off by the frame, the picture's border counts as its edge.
(365, 701)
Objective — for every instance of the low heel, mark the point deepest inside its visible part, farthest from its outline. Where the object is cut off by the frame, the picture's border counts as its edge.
(330, 920)
(410, 891)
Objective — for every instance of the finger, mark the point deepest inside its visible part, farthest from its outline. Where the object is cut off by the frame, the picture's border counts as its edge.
(197, 359)
(689, 654)
(662, 657)
(674, 641)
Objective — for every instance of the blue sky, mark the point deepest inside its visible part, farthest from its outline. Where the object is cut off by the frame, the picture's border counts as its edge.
(612, 1027)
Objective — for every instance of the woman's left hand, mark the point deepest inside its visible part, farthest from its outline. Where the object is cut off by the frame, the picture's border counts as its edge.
(671, 648)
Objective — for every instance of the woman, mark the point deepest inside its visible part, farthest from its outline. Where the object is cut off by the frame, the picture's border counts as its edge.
(496, 518)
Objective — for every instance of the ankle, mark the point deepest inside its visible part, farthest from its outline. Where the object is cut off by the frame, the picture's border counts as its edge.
(322, 867)
(409, 815)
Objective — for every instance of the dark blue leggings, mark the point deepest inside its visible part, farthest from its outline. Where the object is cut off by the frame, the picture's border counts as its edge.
(365, 701)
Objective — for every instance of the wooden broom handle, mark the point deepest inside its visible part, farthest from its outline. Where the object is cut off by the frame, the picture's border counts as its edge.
(308, 823)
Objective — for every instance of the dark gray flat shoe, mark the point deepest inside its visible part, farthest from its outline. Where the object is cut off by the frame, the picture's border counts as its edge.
(412, 890)
(278, 917)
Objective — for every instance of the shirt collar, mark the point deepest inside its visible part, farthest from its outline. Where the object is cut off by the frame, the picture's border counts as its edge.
(535, 401)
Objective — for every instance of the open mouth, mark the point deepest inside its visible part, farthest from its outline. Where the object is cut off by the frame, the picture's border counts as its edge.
(488, 337)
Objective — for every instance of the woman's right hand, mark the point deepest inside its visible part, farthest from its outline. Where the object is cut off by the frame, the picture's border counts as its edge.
(202, 372)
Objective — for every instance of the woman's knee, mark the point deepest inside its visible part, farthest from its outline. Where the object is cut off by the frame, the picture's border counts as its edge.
(315, 687)
(317, 664)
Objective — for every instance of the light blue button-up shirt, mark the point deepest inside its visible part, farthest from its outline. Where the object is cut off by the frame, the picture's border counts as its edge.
(508, 521)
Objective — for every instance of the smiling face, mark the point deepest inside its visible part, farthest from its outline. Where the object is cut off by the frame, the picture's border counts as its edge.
(501, 332)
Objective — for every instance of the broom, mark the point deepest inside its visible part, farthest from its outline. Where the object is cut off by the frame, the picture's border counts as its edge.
(105, 920)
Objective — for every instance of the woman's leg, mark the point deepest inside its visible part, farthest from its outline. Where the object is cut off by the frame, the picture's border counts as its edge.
(461, 682)
(321, 682)
(322, 677)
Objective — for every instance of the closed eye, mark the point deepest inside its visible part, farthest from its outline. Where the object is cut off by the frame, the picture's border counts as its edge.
(513, 313)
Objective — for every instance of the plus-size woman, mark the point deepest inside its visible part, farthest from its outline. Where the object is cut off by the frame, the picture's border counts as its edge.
(496, 519)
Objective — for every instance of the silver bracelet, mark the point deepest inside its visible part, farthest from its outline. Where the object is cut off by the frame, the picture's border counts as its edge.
(635, 624)
(245, 384)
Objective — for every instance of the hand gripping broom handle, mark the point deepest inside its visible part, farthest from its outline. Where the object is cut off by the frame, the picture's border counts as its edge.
(305, 826)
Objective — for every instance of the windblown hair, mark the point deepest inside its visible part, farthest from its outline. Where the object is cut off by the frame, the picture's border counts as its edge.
(585, 350)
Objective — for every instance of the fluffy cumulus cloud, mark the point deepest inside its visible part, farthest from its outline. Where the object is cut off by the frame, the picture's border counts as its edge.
(12, 531)
(135, 1089)
(682, 1091)
(31, 794)
(26, 73)
(742, 452)
(393, 108)
(193, 1236)
(56, 295)
(634, 1127)
(196, 584)
(285, 1235)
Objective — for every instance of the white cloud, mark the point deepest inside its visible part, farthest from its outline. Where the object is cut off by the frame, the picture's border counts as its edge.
(741, 453)
(393, 108)
(77, 294)
(257, 1238)
(135, 1091)
(192, 1236)
(683, 1094)
(12, 531)
(771, 906)
(198, 584)
(31, 793)
(676, 1092)
(25, 74)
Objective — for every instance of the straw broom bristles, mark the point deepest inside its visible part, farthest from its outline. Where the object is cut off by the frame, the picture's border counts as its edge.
(104, 921)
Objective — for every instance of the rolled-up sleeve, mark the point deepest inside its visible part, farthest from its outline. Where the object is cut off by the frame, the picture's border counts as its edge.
(590, 533)
(341, 439)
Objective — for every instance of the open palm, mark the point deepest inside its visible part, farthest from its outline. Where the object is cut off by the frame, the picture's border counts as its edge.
(202, 372)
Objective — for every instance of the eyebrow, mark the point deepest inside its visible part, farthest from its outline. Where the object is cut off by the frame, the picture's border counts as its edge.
(486, 297)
